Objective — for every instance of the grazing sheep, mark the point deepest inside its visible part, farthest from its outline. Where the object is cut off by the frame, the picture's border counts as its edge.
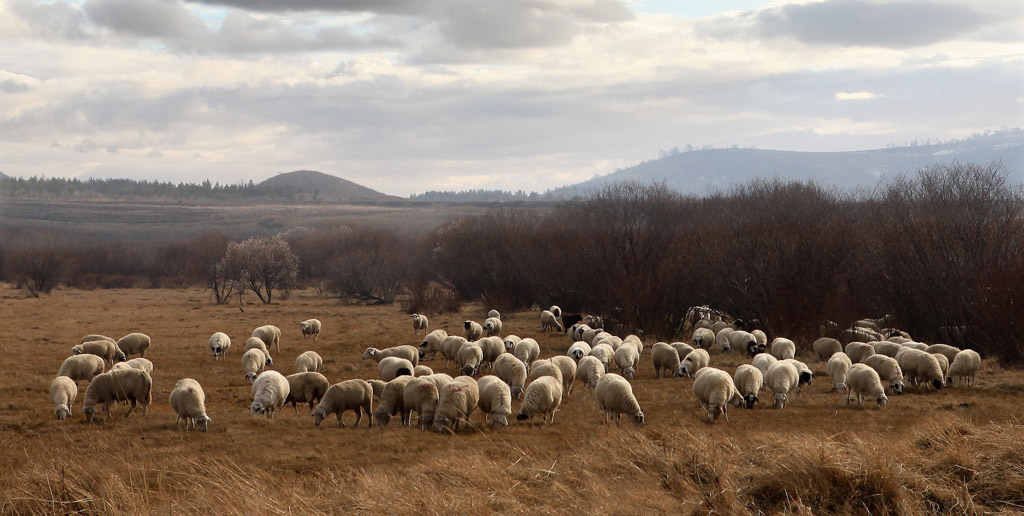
(915, 345)
(717, 326)
(93, 336)
(421, 395)
(943, 362)
(422, 370)
(132, 385)
(783, 348)
(860, 335)
(605, 354)
(407, 352)
(219, 344)
(858, 351)
(917, 365)
(900, 339)
(945, 350)
(541, 368)
(635, 340)
(306, 387)
(664, 356)
(762, 340)
(863, 380)
(105, 349)
(965, 366)
(887, 348)
(593, 321)
(253, 362)
(578, 350)
(510, 342)
(722, 339)
(715, 389)
(269, 393)
(512, 371)
(612, 341)
(838, 367)
(695, 361)
(472, 330)
(866, 323)
(615, 397)
(543, 396)
(682, 349)
(356, 395)
(420, 323)
(134, 343)
(492, 347)
(527, 350)
(548, 321)
(576, 331)
(494, 313)
(432, 343)
(568, 367)
(495, 401)
(888, 369)
(392, 402)
(763, 361)
(269, 334)
(748, 380)
(590, 369)
(555, 310)
(450, 347)
(703, 338)
(308, 361)
(825, 347)
(82, 367)
(781, 379)
(63, 391)
(257, 343)
(189, 402)
(803, 372)
(393, 367)
(310, 327)
(376, 387)
(469, 358)
(626, 358)
(742, 340)
(569, 320)
(137, 363)
(602, 335)
(492, 326)
(456, 401)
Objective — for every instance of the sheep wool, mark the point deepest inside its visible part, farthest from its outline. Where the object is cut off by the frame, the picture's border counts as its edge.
(410, 353)
(888, 371)
(420, 396)
(137, 363)
(308, 361)
(306, 387)
(763, 361)
(838, 367)
(512, 371)
(548, 321)
(568, 367)
(392, 402)
(703, 338)
(605, 354)
(269, 393)
(472, 330)
(422, 370)
(131, 385)
(393, 367)
(456, 401)
(432, 343)
(590, 370)
(469, 358)
(887, 348)
(782, 348)
(219, 344)
(134, 343)
(694, 362)
(627, 357)
(270, 335)
(825, 347)
(746, 342)
(495, 401)
(543, 396)
(82, 367)
(945, 350)
(510, 342)
(355, 395)
(863, 381)
(420, 323)
(63, 391)
(257, 343)
(615, 397)
(492, 326)
(310, 327)
(492, 347)
(189, 403)
(781, 379)
(541, 368)
(578, 350)
(965, 366)
(858, 351)
(715, 389)
(253, 362)
(527, 350)
(748, 380)
(665, 358)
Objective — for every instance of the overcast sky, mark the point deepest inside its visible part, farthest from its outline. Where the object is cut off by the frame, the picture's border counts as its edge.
(405, 96)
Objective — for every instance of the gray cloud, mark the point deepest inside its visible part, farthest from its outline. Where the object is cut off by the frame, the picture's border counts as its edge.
(146, 18)
(85, 146)
(57, 20)
(13, 86)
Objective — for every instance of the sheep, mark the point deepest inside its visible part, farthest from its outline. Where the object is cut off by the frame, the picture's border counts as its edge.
(420, 323)
(682, 349)
(838, 367)
(472, 330)
(825, 347)
(703, 338)
(541, 368)
(715, 389)
(257, 343)
(543, 396)
(944, 349)
(456, 401)
(105, 349)
(376, 387)
(269, 393)
(900, 339)
(915, 345)
(450, 348)
(308, 361)
(549, 322)
(492, 347)
(132, 385)
(393, 367)
(269, 334)
(492, 326)
(888, 369)
(576, 331)
(718, 326)
(861, 335)
(469, 358)
(432, 343)
(510, 342)
(63, 391)
(512, 371)
(310, 327)
(748, 380)
(943, 362)
(569, 320)
(722, 339)
(494, 313)
(742, 340)
(495, 401)
(578, 350)
(803, 372)
(253, 362)
(356, 395)
(917, 364)
(858, 351)
(612, 341)
(82, 367)
(782, 348)
(887, 348)
(636, 342)
(664, 356)
(782, 377)
(137, 363)
(189, 402)
(306, 387)
(863, 380)
(410, 353)
(392, 402)
(605, 354)
(219, 344)
(762, 340)
(593, 321)
(420, 396)
(693, 362)
(763, 361)
(527, 350)
(866, 323)
(134, 343)
(965, 366)
(93, 336)
(590, 370)
(596, 339)
(627, 357)
(568, 367)
(422, 370)
(588, 335)
(615, 397)
(555, 310)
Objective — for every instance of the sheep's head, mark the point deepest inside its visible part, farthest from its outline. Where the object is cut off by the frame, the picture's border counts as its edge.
(467, 324)
(780, 401)
(303, 325)
(576, 354)
(509, 345)
(470, 370)
(63, 412)
(498, 421)
(752, 348)
(90, 412)
(760, 348)
(202, 422)
(897, 386)
(683, 370)
(806, 377)
(937, 384)
(840, 386)
(751, 399)
(77, 350)
(422, 354)
(269, 361)
(319, 415)
(638, 418)
(949, 381)
(370, 353)
(440, 423)
(517, 392)
(726, 347)
(881, 399)
(713, 412)
(628, 372)
(250, 376)
(522, 416)
(698, 340)
(382, 417)
(257, 408)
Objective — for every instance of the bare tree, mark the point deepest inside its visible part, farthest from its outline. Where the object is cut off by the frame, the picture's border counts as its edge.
(38, 263)
(261, 264)
(370, 267)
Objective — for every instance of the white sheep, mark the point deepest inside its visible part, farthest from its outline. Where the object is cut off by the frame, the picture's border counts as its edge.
(615, 397)
(715, 389)
(838, 367)
(635, 340)
(308, 361)
(605, 354)
(804, 373)
(269, 334)
(219, 344)
(914, 345)
(310, 327)
(543, 396)
(495, 401)
(512, 371)
(421, 395)
(410, 353)
(858, 351)
(887, 348)
(269, 393)
(422, 370)
(548, 321)
(888, 369)
(456, 401)
(578, 350)
(105, 349)
(762, 340)
(472, 330)
(781, 379)
(189, 402)
(492, 326)
(943, 362)
(575, 332)
(965, 366)
(134, 343)
(450, 347)
(568, 367)
(555, 310)
(63, 391)
(918, 364)
(544, 368)
(703, 338)
(601, 335)
(132, 385)
(420, 323)
(682, 349)
(590, 334)
(863, 380)
(376, 387)
(469, 358)
(432, 343)
(945, 350)
(257, 343)
(95, 336)
(527, 350)
(593, 321)
(137, 363)
(392, 402)
(695, 361)
(627, 357)
(492, 347)
(748, 380)
(82, 367)
(589, 370)
(393, 367)
(763, 361)
(783, 348)
(306, 387)
(722, 339)
(664, 357)
(825, 347)
(510, 342)
(253, 362)
(356, 395)
(494, 313)
(744, 341)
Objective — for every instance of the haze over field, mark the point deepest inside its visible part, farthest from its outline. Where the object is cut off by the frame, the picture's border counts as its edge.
(406, 96)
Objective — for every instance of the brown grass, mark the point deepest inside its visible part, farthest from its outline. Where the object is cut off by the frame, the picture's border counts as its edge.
(957, 451)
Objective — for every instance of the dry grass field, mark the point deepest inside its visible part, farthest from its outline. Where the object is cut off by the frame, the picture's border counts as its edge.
(956, 451)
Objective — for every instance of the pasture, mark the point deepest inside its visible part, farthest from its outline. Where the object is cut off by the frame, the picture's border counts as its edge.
(956, 451)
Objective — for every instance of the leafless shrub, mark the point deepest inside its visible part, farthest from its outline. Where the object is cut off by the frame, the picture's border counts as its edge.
(260, 264)
(38, 263)
(370, 266)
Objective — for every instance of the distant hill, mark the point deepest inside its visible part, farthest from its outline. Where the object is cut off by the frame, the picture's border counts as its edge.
(696, 172)
(322, 186)
(3, 176)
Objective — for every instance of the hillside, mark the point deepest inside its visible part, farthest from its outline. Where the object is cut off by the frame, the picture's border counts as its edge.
(322, 186)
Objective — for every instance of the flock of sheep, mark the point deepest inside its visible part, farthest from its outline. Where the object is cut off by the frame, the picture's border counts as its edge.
(876, 364)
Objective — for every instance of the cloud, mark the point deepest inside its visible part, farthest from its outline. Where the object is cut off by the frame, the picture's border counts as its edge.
(855, 95)
(85, 146)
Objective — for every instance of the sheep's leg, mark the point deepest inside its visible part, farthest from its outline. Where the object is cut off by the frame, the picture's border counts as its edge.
(130, 409)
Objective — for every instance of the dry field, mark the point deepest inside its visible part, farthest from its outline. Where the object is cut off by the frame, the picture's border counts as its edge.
(956, 451)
